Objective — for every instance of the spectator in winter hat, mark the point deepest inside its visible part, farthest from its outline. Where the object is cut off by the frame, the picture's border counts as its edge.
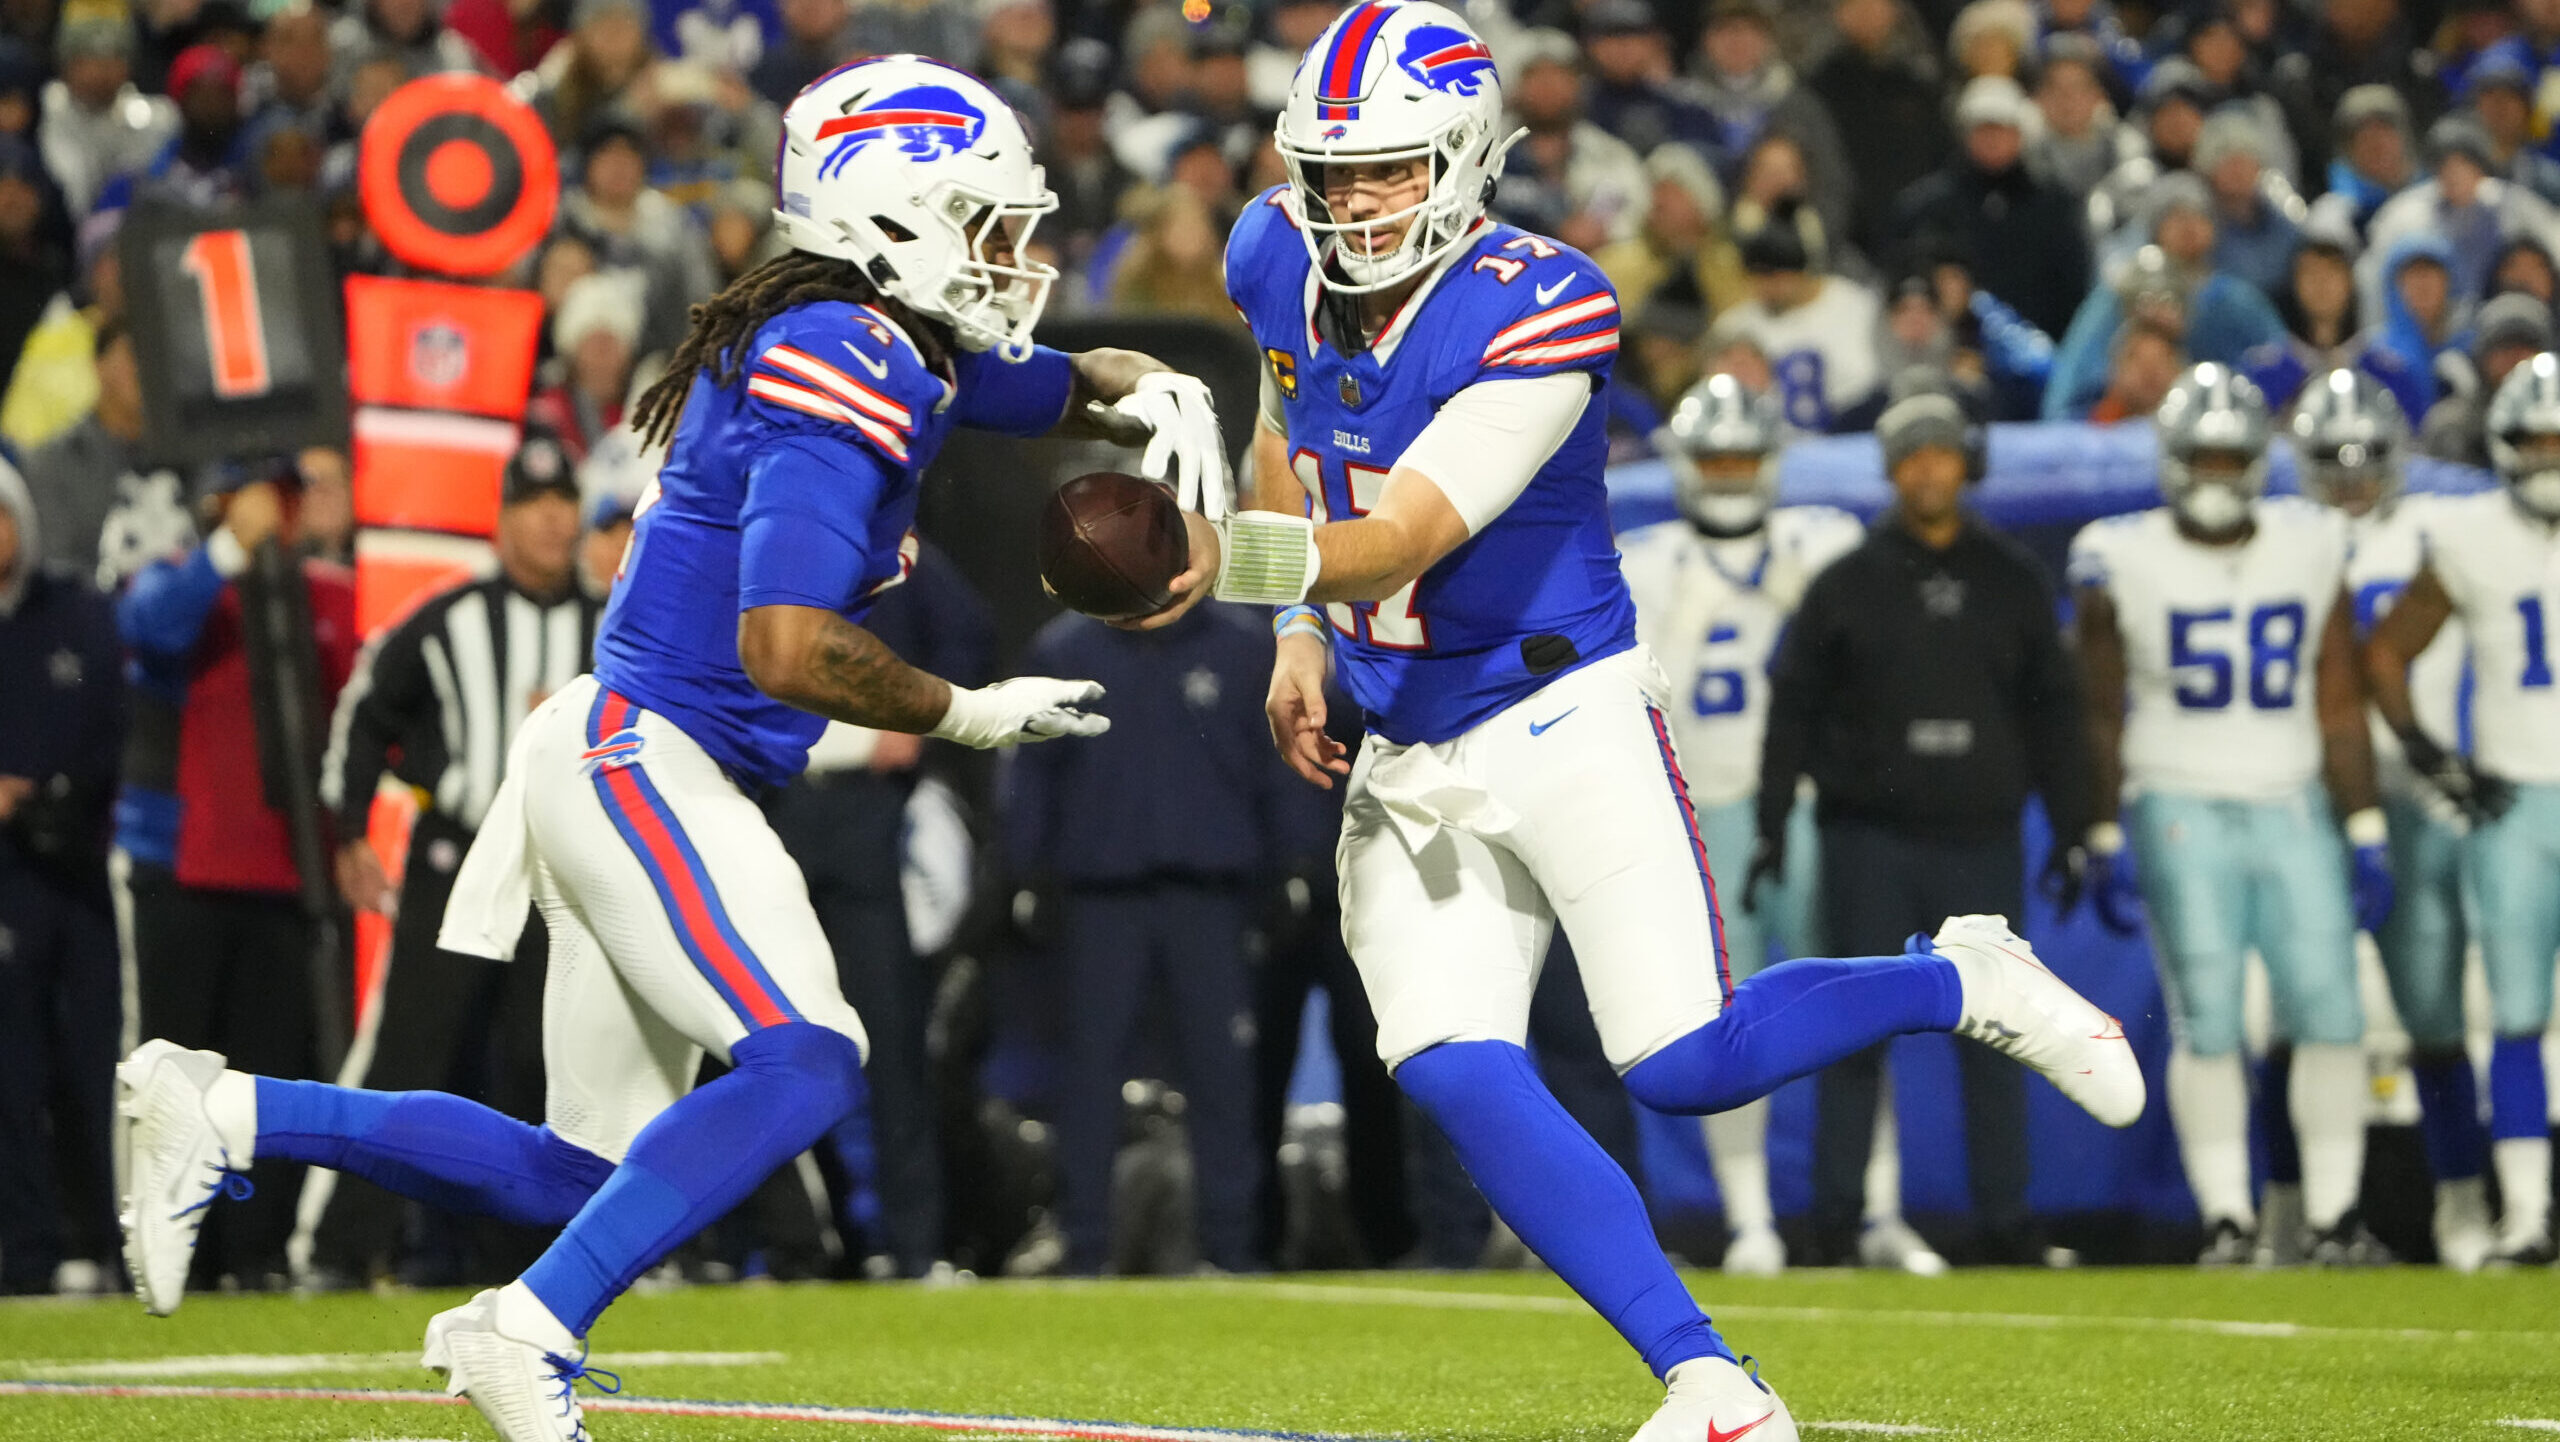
(2511, 329)
(95, 124)
(1752, 91)
(1683, 235)
(2075, 146)
(594, 332)
(1817, 330)
(2354, 45)
(2499, 94)
(2423, 316)
(1632, 95)
(1880, 73)
(2167, 122)
(2021, 236)
(2225, 315)
(2463, 204)
(2374, 155)
(2255, 234)
(2326, 329)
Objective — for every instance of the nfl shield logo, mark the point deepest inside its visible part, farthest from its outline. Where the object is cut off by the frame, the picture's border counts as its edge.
(439, 355)
(1350, 389)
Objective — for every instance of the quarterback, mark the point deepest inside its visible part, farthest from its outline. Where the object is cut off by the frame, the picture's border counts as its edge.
(1429, 518)
(802, 409)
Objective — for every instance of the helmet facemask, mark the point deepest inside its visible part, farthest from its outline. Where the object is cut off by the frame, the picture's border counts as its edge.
(993, 296)
(1725, 494)
(2529, 462)
(1432, 226)
(2211, 487)
(2357, 477)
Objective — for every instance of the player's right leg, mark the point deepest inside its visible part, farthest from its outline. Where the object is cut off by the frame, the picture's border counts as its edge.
(2515, 874)
(1448, 932)
(707, 928)
(2422, 944)
(2194, 884)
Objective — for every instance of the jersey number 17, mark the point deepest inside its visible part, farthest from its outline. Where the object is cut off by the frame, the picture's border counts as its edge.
(1392, 624)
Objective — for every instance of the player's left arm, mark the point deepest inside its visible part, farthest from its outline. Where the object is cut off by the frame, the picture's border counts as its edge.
(2346, 739)
(1469, 464)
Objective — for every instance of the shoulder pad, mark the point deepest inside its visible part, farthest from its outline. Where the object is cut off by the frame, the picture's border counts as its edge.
(842, 367)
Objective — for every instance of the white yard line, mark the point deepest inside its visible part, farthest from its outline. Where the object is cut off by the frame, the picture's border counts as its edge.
(290, 1364)
(2531, 1424)
(1425, 1297)
(1876, 1429)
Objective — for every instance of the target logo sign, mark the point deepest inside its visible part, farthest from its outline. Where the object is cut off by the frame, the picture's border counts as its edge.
(458, 176)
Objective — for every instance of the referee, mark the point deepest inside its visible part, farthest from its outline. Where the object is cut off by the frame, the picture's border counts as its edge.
(1924, 688)
(435, 701)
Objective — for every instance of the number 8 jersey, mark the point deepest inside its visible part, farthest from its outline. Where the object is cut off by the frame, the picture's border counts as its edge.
(1535, 592)
(2221, 645)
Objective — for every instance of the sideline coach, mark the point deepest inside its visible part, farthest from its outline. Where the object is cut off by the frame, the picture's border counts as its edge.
(1925, 689)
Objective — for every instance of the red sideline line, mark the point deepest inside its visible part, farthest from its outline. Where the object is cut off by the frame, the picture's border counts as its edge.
(673, 1407)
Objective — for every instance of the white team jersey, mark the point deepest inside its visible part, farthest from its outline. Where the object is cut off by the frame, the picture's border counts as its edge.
(1822, 354)
(2221, 644)
(1712, 612)
(2387, 547)
(2502, 569)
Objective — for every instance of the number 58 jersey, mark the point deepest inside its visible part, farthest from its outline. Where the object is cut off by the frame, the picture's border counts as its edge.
(2221, 644)
(1534, 592)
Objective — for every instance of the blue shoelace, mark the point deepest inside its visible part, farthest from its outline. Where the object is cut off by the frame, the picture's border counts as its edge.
(228, 1181)
(569, 1372)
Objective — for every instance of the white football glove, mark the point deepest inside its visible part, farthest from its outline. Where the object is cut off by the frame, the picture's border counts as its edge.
(1183, 439)
(1026, 708)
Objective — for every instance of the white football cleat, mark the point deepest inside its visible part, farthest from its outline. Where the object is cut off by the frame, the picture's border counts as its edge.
(1889, 1243)
(1713, 1400)
(2015, 1006)
(1755, 1252)
(176, 1163)
(2464, 1238)
(519, 1371)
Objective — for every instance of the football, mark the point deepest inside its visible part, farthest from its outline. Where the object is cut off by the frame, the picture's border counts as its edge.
(1111, 544)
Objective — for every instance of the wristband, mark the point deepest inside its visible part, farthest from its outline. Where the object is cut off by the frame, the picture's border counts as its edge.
(2366, 827)
(1298, 620)
(1267, 558)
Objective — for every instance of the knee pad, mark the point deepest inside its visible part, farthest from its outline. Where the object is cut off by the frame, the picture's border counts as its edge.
(825, 1063)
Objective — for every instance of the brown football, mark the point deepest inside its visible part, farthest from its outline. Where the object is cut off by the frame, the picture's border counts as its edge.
(1111, 544)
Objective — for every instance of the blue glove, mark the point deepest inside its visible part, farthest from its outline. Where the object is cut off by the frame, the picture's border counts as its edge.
(2370, 837)
(2112, 884)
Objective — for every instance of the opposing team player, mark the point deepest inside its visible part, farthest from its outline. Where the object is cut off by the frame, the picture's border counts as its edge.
(1430, 400)
(1713, 591)
(2493, 561)
(2351, 440)
(803, 407)
(2221, 656)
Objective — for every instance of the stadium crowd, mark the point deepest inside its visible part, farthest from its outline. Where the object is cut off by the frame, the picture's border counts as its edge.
(2057, 204)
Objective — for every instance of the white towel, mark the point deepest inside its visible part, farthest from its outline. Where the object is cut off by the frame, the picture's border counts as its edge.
(1422, 793)
(484, 915)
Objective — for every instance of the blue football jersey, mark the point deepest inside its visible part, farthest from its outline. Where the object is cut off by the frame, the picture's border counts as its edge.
(1534, 593)
(793, 485)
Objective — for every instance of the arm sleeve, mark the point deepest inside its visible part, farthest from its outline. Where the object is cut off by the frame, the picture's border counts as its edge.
(1798, 687)
(1028, 399)
(2080, 362)
(1490, 440)
(375, 709)
(2053, 721)
(806, 527)
(163, 612)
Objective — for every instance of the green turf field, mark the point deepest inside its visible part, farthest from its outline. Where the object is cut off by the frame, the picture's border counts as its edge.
(2403, 1354)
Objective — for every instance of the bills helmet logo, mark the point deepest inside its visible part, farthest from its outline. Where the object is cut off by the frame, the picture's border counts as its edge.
(1336, 132)
(924, 122)
(1446, 58)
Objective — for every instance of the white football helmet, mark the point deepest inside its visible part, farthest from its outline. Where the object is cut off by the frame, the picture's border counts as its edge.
(1394, 81)
(918, 173)
(2523, 416)
(1728, 425)
(2213, 410)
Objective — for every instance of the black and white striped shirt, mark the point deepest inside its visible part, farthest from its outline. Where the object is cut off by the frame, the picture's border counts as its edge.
(436, 700)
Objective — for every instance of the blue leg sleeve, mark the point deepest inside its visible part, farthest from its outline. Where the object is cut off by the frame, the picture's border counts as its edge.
(2519, 1098)
(698, 1159)
(1794, 1019)
(1574, 1207)
(432, 1147)
(2449, 1115)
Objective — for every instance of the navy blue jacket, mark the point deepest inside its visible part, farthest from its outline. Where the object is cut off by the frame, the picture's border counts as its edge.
(1183, 785)
(61, 715)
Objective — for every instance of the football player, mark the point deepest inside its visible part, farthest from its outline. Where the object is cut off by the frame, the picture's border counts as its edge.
(1713, 591)
(801, 410)
(2493, 562)
(2220, 651)
(1431, 517)
(2351, 441)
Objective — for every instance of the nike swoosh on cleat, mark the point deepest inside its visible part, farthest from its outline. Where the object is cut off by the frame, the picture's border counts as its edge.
(879, 369)
(1539, 728)
(1546, 294)
(1753, 1426)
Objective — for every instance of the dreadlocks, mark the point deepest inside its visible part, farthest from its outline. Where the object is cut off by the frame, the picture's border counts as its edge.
(724, 324)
